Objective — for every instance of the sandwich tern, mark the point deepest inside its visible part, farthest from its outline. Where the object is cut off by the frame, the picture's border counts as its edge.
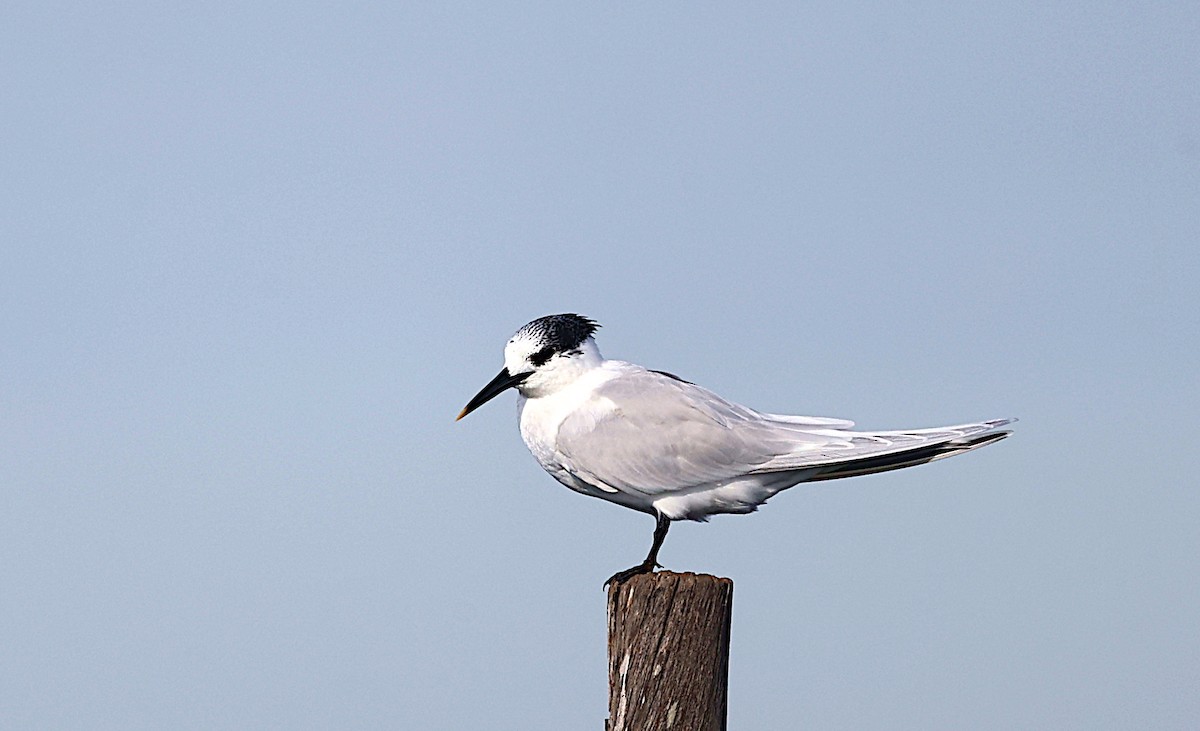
(656, 443)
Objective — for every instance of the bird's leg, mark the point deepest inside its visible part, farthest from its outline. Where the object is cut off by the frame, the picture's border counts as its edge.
(661, 526)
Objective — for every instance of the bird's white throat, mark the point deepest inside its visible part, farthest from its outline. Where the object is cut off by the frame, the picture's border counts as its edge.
(540, 417)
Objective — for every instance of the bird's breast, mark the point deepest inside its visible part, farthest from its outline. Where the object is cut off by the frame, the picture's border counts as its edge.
(541, 418)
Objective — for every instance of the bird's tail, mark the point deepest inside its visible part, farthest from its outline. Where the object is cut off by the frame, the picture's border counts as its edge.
(927, 447)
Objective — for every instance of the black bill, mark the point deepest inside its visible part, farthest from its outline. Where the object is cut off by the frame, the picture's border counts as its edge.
(498, 385)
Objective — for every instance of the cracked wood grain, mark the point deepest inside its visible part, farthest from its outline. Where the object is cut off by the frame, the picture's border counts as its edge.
(668, 652)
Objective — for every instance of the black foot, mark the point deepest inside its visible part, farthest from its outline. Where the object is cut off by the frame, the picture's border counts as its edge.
(622, 576)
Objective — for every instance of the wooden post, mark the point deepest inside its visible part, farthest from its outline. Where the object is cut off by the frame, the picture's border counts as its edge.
(668, 652)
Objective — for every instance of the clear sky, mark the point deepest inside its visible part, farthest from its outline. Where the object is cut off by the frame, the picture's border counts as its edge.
(256, 256)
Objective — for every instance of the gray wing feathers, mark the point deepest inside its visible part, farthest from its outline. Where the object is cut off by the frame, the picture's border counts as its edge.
(879, 443)
(661, 434)
(816, 422)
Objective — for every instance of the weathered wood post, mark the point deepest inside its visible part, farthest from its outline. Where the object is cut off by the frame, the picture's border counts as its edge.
(668, 652)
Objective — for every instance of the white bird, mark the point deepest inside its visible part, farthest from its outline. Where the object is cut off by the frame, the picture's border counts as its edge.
(654, 442)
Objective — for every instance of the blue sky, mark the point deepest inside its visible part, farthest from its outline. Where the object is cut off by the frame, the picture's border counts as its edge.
(257, 258)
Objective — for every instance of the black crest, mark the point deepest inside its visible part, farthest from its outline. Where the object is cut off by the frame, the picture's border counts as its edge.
(558, 334)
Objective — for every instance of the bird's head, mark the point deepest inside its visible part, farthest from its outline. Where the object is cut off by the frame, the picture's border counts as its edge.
(543, 356)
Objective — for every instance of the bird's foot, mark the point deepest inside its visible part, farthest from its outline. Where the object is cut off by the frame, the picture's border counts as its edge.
(646, 567)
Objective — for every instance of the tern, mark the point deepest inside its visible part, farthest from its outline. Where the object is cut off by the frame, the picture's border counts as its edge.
(653, 442)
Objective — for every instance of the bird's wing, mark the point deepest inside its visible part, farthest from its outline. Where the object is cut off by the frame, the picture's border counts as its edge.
(812, 422)
(650, 433)
(859, 448)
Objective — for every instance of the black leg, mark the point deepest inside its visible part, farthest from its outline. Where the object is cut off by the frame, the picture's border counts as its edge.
(661, 526)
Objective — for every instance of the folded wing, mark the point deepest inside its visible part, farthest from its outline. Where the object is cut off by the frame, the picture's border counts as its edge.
(653, 434)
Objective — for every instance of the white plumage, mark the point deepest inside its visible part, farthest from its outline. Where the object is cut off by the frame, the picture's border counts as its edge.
(655, 443)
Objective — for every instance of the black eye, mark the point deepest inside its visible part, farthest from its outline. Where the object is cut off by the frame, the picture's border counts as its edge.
(539, 358)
